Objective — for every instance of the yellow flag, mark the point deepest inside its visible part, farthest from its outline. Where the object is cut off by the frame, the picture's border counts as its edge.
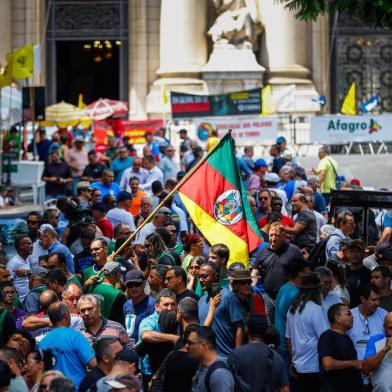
(267, 103)
(165, 98)
(6, 76)
(349, 106)
(81, 104)
(22, 61)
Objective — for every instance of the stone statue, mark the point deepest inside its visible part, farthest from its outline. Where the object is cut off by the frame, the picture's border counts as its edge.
(238, 23)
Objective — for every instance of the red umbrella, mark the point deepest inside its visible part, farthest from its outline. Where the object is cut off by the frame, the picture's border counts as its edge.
(104, 108)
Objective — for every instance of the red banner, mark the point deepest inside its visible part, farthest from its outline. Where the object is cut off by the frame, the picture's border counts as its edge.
(135, 130)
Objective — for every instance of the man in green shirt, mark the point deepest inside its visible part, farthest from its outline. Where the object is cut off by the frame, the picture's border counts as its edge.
(113, 299)
(93, 274)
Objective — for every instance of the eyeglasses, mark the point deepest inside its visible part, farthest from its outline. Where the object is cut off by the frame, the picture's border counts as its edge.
(244, 282)
(31, 222)
(277, 204)
(263, 198)
(204, 276)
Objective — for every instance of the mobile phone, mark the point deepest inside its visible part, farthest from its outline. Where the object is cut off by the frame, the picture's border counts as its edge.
(215, 289)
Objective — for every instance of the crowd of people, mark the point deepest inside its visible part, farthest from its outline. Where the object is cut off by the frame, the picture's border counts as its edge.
(84, 309)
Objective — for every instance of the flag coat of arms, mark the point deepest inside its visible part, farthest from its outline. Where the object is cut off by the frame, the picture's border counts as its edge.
(217, 203)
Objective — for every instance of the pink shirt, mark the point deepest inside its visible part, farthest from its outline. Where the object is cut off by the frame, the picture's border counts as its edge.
(77, 160)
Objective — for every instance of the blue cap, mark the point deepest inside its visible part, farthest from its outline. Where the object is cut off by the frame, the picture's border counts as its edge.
(261, 162)
(281, 139)
(123, 195)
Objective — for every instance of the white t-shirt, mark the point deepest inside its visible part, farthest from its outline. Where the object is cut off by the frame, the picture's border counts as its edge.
(304, 330)
(144, 232)
(21, 283)
(119, 215)
(360, 333)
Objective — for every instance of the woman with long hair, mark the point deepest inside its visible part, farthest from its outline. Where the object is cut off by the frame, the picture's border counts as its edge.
(37, 362)
(193, 246)
(158, 251)
(47, 378)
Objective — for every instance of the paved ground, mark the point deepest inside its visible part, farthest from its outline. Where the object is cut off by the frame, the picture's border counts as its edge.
(373, 170)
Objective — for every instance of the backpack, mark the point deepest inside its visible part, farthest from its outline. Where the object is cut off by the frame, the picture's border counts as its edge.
(239, 385)
(317, 254)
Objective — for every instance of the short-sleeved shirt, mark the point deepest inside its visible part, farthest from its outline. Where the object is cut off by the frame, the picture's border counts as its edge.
(275, 263)
(286, 296)
(304, 329)
(185, 294)
(339, 347)
(61, 248)
(77, 158)
(71, 350)
(251, 363)
(150, 323)
(360, 333)
(93, 171)
(118, 167)
(221, 380)
(119, 215)
(386, 303)
(331, 168)
(381, 377)
(227, 315)
(308, 236)
(113, 189)
(21, 283)
(135, 313)
(60, 170)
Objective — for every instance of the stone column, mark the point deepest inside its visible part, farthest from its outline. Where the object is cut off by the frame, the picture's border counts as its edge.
(183, 42)
(138, 58)
(5, 30)
(285, 45)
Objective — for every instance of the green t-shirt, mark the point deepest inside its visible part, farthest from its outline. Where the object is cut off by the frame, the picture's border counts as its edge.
(75, 280)
(186, 262)
(178, 249)
(331, 168)
(113, 301)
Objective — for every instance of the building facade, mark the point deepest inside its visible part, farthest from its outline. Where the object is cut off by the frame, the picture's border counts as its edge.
(134, 49)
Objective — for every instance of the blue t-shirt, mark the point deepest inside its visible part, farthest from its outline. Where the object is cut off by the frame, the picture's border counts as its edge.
(320, 204)
(286, 296)
(118, 167)
(227, 314)
(59, 247)
(113, 189)
(71, 350)
(141, 310)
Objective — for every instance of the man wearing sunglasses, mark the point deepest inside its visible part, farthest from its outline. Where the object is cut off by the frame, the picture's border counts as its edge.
(33, 220)
(139, 305)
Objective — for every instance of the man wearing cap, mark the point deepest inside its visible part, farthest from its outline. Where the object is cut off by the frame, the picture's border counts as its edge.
(257, 177)
(287, 150)
(84, 192)
(159, 219)
(251, 303)
(77, 160)
(356, 273)
(374, 260)
(113, 298)
(98, 212)
(96, 326)
(37, 284)
(56, 175)
(121, 214)
(327, 171)
(386, 259)
(121, 163)
(139, 305)
(168, 165)
(257, 365)
(106, 185)
(305, 324)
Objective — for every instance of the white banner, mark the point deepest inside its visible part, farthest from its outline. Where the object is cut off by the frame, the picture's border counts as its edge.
(245, 128)
(344, 129)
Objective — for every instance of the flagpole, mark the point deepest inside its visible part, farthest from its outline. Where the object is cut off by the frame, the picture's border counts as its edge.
(170, 194)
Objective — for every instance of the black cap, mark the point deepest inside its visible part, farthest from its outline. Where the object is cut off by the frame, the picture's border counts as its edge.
(134, 276)
(127, 355)
(257, 325)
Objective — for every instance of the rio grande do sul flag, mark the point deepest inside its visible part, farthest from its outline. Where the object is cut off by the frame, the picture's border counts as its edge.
(217, 203)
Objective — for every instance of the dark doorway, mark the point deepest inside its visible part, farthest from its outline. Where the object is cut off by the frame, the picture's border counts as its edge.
(90, 68)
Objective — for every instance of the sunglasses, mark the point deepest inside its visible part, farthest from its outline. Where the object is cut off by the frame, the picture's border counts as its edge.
(204, 276)
(263, 198)
(30, 222)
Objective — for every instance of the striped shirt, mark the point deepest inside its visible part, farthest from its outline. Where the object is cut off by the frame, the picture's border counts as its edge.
(110, 329)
